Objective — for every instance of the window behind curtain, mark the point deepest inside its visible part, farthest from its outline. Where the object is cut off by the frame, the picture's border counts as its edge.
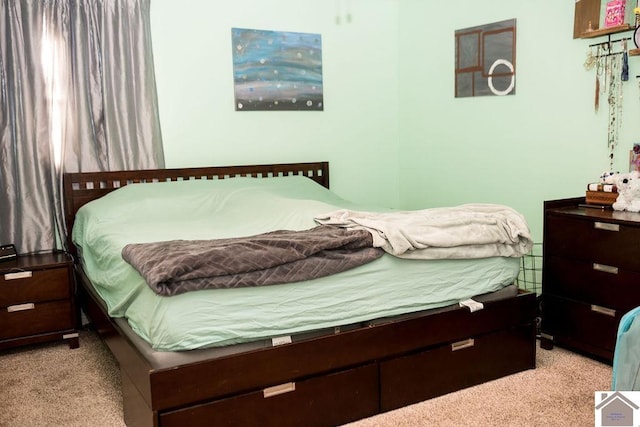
(78, 94)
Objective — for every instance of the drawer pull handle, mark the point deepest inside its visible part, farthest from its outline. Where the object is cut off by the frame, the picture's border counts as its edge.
(18, 275)
(603, 310)
(21, 307)
(470, 342)
(281, 340)
(606, 226)
(279, 389)
(605, 268)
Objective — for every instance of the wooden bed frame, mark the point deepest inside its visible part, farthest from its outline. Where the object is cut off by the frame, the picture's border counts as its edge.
(329, 379)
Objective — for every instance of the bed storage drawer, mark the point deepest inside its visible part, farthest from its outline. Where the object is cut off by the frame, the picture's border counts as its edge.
(586, 327)
(420, 376)
(323, 401)
(35, 318)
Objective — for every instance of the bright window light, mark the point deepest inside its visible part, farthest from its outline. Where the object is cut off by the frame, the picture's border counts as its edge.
(52, 60)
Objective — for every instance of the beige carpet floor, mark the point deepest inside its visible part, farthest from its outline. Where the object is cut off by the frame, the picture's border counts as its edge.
(51, 385)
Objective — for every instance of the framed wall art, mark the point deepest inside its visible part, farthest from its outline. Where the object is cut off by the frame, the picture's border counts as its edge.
(276, 70)
(485, 60)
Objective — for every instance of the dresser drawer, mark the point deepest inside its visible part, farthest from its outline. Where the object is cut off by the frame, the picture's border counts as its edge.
(35, 318)
(417, 377)
(592, 282)
(33, 286)
(321, 401)
(576, 324)
(592, 240)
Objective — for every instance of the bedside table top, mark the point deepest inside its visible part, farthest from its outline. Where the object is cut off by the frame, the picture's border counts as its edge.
(40, 260)
(576, 207)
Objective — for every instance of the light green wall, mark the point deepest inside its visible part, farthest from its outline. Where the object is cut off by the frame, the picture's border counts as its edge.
(392, 129)
(544, 142)
(358, 130)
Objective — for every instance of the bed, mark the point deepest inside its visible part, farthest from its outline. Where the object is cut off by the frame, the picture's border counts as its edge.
(370, 350)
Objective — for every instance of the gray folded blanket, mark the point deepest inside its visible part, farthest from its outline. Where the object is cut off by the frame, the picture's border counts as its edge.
(177, 266)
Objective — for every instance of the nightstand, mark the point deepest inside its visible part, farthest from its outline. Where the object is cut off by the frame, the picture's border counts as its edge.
(591, 275)
(37, 300)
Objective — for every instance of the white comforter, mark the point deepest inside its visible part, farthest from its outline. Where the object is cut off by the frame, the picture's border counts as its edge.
(466, 231)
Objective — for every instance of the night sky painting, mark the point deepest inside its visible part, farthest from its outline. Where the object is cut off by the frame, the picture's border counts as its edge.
(277, 71)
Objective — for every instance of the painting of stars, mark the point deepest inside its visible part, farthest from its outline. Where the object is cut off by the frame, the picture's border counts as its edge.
(276, 70)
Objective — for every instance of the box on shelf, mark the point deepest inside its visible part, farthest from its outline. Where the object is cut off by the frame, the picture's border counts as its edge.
(614, 13)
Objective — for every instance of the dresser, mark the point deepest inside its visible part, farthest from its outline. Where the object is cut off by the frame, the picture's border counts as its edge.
(37, 300)
(591, 275)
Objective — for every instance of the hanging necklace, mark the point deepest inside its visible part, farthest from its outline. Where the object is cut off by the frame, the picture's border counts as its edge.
(615, 102)
(599, 71)
(611, 69)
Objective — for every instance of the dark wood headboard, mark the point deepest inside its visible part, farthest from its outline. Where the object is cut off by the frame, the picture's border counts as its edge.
(83, 187)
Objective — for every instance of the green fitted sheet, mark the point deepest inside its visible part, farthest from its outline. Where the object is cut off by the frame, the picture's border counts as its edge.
(209, 209)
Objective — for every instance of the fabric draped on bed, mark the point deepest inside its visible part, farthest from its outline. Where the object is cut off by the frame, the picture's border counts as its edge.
(344, 240)
(283, 256)
(460, 232)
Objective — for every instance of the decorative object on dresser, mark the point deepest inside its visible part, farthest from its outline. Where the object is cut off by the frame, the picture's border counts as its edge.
(37, 300)
(603, 193)
(590, 278)
(628, 185)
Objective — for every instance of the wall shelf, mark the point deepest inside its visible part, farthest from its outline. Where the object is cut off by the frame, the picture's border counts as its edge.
(606, 31)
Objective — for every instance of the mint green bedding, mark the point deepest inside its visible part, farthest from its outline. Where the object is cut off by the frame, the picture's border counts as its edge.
(209, 209)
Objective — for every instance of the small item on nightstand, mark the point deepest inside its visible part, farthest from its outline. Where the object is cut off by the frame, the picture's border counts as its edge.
(601, 198)
(8, 252)
(628, 185)
(603, 193)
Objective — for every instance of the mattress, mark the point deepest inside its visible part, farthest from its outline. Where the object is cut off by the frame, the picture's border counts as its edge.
(242, 206)
(159, 359)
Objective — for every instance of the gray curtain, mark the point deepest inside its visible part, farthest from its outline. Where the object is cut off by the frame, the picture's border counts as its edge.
(78, 93)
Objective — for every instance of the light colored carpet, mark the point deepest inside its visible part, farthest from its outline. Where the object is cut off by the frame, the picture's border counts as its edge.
(51, 385)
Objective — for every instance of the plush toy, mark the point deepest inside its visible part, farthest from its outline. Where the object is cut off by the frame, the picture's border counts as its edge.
(628, 185)
(609, 177)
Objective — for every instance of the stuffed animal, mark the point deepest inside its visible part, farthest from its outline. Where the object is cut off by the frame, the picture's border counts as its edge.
(609, 177)
(628, 185)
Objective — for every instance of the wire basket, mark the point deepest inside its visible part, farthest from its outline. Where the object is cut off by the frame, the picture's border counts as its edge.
(530, 275)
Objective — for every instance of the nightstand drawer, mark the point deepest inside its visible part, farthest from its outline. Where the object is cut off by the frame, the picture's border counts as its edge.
(34, 285)
(607, 242)
(34, 318)
(588, 327)
(593, 282)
